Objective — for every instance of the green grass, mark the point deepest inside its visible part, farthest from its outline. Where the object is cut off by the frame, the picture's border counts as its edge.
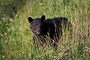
(16, 38)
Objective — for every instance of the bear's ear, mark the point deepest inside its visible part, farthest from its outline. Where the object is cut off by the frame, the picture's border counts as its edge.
(30, 19)
(43, 17)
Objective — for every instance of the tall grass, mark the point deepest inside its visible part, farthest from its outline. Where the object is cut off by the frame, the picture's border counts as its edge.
(16, 41)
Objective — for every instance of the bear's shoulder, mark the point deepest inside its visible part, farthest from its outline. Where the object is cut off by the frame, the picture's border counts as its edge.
(55, 20)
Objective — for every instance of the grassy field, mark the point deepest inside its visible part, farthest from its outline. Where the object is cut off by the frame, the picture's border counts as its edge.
(16, 38)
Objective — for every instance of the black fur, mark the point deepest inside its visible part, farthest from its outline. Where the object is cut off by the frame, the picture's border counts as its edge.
(51, 28)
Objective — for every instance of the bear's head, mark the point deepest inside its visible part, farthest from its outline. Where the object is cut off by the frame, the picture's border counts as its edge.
(37, 25)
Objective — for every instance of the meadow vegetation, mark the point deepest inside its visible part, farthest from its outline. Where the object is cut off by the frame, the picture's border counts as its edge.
(16, 38)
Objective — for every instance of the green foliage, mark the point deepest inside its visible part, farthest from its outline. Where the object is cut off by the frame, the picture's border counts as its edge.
(16, 39)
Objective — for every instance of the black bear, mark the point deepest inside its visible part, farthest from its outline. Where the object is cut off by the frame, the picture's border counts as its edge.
(51, 28)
